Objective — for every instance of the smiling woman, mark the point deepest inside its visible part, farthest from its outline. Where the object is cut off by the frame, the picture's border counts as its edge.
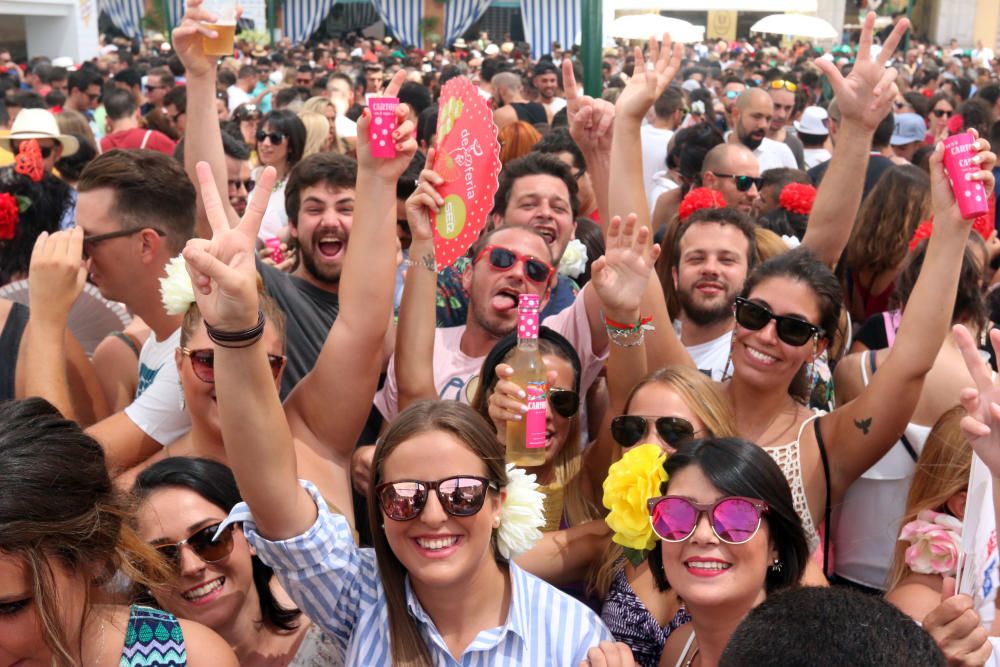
(58, 550)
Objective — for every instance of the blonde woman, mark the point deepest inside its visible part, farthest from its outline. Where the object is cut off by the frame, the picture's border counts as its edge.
(317, 132)
(324, 106)
(936, 498)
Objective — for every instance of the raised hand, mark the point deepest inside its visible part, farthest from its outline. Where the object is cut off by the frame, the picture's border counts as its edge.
(56, 275)
(404, 136)
(425, 202)
(222, 268)
(187, 39)
(590, 120)
(646, 85)
(957, 629)
(621, 275)
(982, 425)
(865, 96)
(942, 198)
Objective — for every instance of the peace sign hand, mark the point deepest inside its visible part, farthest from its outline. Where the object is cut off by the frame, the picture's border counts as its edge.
(646, 85)
(982, 425)
(865, 96)
(222, 268)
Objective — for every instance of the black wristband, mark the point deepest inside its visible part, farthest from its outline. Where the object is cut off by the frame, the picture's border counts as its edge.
(237, 339)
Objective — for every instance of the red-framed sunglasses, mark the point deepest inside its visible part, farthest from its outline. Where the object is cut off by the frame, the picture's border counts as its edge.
(203, 364)
(503, 259)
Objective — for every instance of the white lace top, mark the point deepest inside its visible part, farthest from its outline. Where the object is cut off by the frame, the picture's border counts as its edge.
(789, 460)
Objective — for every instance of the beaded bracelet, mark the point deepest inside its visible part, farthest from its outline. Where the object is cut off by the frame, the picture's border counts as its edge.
(247, 337)
(642, 324)
(621, 337)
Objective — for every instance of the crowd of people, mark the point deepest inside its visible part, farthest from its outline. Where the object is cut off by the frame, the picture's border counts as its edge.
(768, 331)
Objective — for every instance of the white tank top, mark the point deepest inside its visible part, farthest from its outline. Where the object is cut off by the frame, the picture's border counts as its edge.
(866, 523)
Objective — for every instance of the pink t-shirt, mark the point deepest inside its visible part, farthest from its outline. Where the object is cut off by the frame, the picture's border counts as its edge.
(456, 375)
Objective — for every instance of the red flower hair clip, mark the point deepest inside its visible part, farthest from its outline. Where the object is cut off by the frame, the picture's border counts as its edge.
(11, 207)
(798, 198)
(982, 225)
(29, 160)
(699, 198)
(923, 231)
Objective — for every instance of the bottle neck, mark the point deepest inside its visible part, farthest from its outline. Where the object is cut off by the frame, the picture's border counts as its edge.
(527, 329)
(529, 344)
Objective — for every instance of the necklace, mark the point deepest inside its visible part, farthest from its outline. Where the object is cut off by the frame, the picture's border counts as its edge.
(278, 185)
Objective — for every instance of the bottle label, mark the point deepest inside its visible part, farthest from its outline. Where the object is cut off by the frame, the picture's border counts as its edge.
(534, 420)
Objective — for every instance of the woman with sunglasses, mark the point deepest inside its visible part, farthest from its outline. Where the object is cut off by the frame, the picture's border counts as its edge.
(729, 537)
(942, 109)
(64, 533)
(281, 142)
(787, 315)
(218, 581)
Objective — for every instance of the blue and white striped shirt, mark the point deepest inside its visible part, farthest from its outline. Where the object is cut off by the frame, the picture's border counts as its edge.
(337, 585)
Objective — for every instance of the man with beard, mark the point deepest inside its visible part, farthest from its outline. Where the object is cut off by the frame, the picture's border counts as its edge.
(545, 79)
(714, 251)
(751, 121)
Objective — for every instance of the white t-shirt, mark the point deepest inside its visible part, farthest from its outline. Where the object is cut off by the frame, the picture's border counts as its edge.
(157, 408)
(456, 375)
(556, 105)
(237, 96)
(346, 128)
(815, 156)
(710, 358)
(661, 183)
(654, 152)
(275, 218)
(773, 154)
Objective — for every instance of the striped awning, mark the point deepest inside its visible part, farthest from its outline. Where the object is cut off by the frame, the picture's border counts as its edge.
(459, 15)
(546, 21)
(402, 18)
(303, 17)
(126, 15)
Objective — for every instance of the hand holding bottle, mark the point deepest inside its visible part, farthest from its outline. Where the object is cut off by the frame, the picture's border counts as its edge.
(507, 402)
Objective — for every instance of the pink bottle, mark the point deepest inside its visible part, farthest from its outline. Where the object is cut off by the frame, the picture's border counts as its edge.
(382, 126)
(274, 243)
(970, 195)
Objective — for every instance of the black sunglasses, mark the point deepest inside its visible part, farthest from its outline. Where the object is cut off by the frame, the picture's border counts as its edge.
(462, 495)
(236, 183)
(45, 150)
(276, 137)
(628, 430)
(90, 241)
(942, 113)
(202, 544)
(791, 330)
(564, 402)
(744, 183)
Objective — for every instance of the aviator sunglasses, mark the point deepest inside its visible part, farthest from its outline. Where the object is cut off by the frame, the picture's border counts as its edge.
(503, 259)
(628, 430)
(791, 330)
(462, 495)
(734, 520)
(203, 364)
(201, 543)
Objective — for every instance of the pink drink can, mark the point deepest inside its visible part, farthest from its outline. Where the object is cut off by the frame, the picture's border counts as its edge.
(274, 243)
(970, 195)
(382, 126)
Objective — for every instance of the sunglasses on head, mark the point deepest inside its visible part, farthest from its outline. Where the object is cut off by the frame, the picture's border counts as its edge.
(780, 83)
(791, 330)
(744, 183)
(629, 430)
(734, 520)
(235, 184)
(462, 495)
(203, 364)
(45, 150)
(503, 259)
(942, 113)
(275, 137)
(202, 544)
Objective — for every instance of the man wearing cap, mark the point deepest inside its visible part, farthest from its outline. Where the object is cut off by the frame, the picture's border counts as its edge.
(546, 81)
(813, 133)
(908, 137)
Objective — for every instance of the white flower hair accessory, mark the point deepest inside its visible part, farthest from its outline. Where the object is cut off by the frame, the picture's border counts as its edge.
(521, 515)
(574, 259)
(792, 242)
(698, 108)
(176, 290)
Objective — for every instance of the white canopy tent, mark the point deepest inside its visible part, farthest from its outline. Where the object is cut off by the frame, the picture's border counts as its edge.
(643, 26)
(796, 25)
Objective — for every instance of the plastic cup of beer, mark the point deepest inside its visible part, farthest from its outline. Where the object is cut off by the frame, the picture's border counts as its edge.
(225, 28)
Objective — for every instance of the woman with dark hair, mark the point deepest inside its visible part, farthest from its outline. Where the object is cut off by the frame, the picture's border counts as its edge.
(686, 153)
(64, 533)
(281, 141)
(217, 580)
(43, 203)
(729, 536)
